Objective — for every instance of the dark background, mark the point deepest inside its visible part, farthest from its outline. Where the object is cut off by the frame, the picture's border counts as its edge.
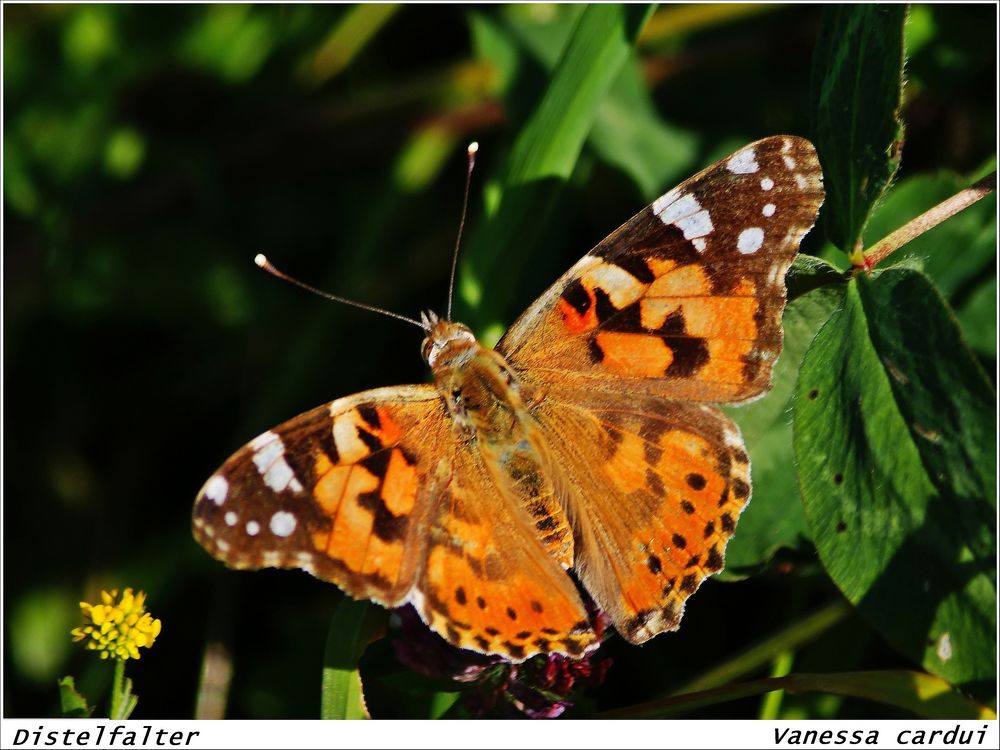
(150, 152)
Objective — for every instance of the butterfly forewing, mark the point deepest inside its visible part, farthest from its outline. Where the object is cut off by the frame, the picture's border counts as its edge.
(685, 299)
(337, 491)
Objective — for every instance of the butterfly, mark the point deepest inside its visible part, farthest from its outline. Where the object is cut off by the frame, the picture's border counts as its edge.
(584, 449)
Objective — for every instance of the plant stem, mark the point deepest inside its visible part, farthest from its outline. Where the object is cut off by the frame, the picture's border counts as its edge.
(922, 694)
(117, 689)
(771, 704)
(788, 639)
(927, 221)
(216, 678)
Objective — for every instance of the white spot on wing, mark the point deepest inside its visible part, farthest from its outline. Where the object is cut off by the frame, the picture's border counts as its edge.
(743, 162)
(222, 544)
(267, 454)
(801, 181)
(269, 458)
(283, 523)
(684, 212)
(253, 528)
(732, 438)
(750, 240)
(216, 489)
(280, 475)
(263, 439)
(231, 518)
(416, 598)
(674, 206)
(789, 162)
(696, 225)
(768, 210)
(699, 244)
(766, 183)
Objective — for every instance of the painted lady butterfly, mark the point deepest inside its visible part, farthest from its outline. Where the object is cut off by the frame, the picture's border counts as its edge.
(585, 441)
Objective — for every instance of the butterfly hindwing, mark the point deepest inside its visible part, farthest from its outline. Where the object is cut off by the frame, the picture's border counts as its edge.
(685, 299)
(656, 488)
(489, 583)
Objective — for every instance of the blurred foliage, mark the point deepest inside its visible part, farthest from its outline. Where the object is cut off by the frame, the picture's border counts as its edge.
(150, 152)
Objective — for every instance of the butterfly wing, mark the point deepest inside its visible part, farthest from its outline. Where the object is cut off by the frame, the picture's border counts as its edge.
(655, 489)
(489, 583)
(685, 299)
(340, 491)
(679, 308)
(374, 494)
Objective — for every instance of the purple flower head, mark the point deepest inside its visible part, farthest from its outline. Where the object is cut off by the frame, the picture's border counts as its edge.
(539, 688)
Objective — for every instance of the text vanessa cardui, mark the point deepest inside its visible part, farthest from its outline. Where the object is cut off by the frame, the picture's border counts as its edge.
(584, 441)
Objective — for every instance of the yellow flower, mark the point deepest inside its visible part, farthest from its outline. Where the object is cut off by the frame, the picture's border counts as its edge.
(118, 628)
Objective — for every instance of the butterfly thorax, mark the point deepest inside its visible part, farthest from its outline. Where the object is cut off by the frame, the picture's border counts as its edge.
(482, 394)
(489, 407)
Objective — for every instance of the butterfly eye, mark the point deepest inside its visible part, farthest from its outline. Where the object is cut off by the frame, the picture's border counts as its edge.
(429, 349)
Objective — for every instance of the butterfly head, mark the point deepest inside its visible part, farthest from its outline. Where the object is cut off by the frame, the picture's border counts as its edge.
(446, 343)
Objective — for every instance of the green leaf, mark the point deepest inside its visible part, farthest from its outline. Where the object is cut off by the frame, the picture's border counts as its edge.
(978, 317)
(893, 436)
(38, 626)
(940, 389)
(774, 518)
(544, 155)
(441, 703)
(628, 132)
(551, 140)
(72, 705)
(958, 254)
(924, 695)
(349, 35)
(857, 82)
(354, 625)
(809, 272)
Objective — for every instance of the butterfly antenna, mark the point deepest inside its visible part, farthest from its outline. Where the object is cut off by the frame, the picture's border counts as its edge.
(264, 263)
(471, 151)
